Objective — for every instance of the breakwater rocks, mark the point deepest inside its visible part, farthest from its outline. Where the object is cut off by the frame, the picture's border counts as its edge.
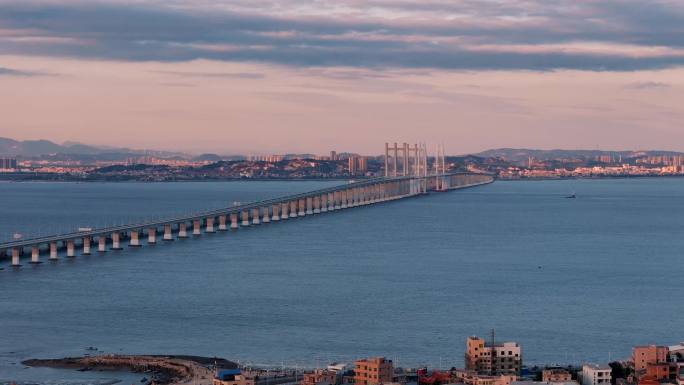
(171, 370)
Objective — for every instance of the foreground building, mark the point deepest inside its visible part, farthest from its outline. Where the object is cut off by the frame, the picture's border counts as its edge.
(593, 374)
(319, 377)
(556, 375)
(643, 356)
(232, 377)
(492, 359)
(373, 371)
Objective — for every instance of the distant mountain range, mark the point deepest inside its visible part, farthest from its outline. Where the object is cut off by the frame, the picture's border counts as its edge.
(34, 148)
(43, 148)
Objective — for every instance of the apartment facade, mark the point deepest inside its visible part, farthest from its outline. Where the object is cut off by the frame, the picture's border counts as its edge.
(496, 360)
(596, 374)
(646, 355)
(373, 371)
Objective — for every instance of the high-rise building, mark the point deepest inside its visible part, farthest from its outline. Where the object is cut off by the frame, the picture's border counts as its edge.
(373, 371)
(352, 165)
(8, 163)
(333, 155)
(492, 359)
(363, 165)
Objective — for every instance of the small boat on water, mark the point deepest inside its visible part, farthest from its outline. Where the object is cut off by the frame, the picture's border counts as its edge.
(571, 196)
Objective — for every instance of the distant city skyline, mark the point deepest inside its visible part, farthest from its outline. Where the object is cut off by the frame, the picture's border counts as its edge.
(258, 77)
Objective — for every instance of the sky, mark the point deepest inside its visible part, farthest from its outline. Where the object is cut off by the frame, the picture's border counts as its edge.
(260, 77)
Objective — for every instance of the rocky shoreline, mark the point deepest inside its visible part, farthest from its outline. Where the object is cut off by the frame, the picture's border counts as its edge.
(163, 370)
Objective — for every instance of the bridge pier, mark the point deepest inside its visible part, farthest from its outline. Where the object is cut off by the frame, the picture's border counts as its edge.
(15, 257)
(196, 227)
(309, 206)
(222, 223)
(233, 221)
(152, 236)
(323, 203)
(245, 218)
(255, 216)
(70, 248)
(86, 246)
(343, 199)
(182, 230)
(317, 204)
(35, 254)
(267, 217)
(301, 203)
(134, 241)
(101, 244)
(168, 233)
(284, 210)
(116, 245)
(293, 209)
(209, 225)
(275, 209)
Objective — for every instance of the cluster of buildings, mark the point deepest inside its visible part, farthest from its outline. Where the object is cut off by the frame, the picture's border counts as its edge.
(150, 167)
(655, 365)
(486, 363)
(8, 164)
(513, 172)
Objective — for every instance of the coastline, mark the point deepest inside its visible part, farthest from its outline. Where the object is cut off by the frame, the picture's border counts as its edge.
(162, 369)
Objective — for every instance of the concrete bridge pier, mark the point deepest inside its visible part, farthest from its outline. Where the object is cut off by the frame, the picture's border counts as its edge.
(302, 207)
(245, 218)
(345, 202)
(222, 223)
(293, 209)
(70, 248)
(284, 210)
(266, 217)
(53, 251)
(86, 245)
(331, 202)
(317, 204)
(101, 243)
(15, 257)
(324, 203)
(35, 255)
(275, 209)
(116, 244)
(337, 200)
(152, 236)
(233, 221)
(255, 216)
(309, 206)
(209, 225)
(168, 234)
(134, 241)
(196, 227)
(182, 230)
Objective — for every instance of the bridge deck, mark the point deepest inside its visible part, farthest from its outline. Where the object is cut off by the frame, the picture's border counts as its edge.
(218, 212)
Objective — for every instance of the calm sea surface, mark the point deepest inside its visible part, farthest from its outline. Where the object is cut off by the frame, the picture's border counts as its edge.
(572, 280)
